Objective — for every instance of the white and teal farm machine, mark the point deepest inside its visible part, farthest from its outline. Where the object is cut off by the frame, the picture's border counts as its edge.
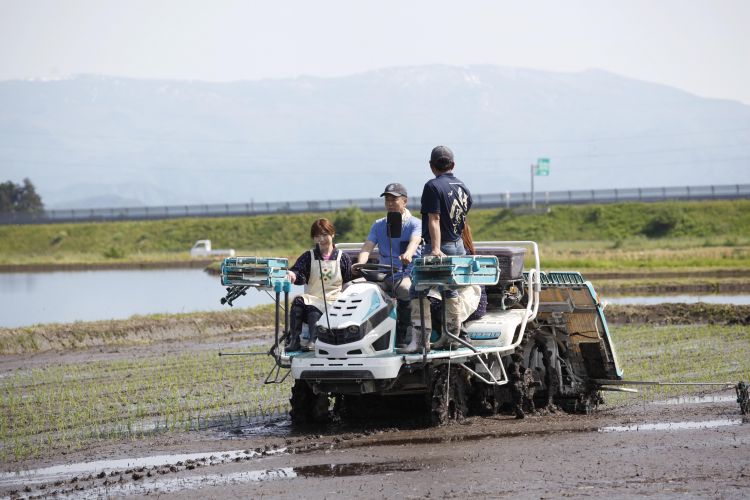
(544, 342)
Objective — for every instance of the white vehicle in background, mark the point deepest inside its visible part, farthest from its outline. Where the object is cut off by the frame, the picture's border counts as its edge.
(202, 248)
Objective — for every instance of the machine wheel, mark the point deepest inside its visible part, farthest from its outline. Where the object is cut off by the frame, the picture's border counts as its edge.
(544, 371)
(307, 407)
(742, 397)
(586, 402)
(484, 400)
(448, 395)
(353, 407)
(521, 386)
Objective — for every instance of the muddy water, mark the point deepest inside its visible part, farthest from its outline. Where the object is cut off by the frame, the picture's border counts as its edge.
(696, 400)
(146, 470)
(67, 296)
(149, 468)
(85, 468)
(65, 472)
(173, 485)
(735, 299)
(673, 426)
(695, 447)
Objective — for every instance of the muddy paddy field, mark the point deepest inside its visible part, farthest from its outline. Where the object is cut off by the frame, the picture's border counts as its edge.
(151, 409)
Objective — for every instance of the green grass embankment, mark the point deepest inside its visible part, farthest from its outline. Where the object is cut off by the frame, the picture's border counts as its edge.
(706, 234)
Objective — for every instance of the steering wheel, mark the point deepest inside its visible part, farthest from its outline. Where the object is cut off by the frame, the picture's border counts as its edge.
(374, 272)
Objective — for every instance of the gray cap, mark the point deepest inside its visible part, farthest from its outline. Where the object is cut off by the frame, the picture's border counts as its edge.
(440, 152)
(395, 189)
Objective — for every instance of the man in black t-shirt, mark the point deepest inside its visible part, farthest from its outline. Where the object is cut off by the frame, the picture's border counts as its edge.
(445, 203)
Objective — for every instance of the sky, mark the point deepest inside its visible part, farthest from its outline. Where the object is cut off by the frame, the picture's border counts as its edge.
(701, 46)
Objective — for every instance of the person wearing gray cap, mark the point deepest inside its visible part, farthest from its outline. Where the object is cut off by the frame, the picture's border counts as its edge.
(446, 201)
(399, 253)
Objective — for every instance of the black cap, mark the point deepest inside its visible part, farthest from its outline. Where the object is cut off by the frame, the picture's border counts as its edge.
(395, 189)
(441, 152)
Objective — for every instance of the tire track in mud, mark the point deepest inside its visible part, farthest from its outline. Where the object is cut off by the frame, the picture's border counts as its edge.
(235, 469)
(230, 469)
(348, 438)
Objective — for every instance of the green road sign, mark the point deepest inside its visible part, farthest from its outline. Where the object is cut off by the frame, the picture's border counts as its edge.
(542, 166)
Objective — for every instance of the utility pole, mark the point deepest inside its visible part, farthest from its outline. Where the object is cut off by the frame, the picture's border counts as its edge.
(533, 200)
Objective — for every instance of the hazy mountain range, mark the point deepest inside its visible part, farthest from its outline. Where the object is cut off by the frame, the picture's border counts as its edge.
(103, 141)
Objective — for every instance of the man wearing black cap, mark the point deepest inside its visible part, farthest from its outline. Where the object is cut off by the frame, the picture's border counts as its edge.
(401, 251)
(445, 203)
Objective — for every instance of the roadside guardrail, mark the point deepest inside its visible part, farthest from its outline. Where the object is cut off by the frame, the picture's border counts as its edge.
(492, 200)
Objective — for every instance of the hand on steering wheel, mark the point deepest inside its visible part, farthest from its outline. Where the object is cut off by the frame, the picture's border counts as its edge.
(371, 266)
(373, 272)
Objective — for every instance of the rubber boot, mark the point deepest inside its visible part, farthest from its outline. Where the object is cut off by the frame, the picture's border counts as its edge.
(452, 322)
(403, 321)
(453, 318)
(413, 344)
(313, 316)
(295, 330)
(417, 329)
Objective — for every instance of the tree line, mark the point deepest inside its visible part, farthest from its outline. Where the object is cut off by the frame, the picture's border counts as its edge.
(20, 198)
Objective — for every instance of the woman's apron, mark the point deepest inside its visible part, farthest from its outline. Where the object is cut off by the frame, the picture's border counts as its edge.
(331, 279)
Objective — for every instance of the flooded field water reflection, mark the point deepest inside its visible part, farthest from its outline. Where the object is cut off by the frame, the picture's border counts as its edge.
(67, 296)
